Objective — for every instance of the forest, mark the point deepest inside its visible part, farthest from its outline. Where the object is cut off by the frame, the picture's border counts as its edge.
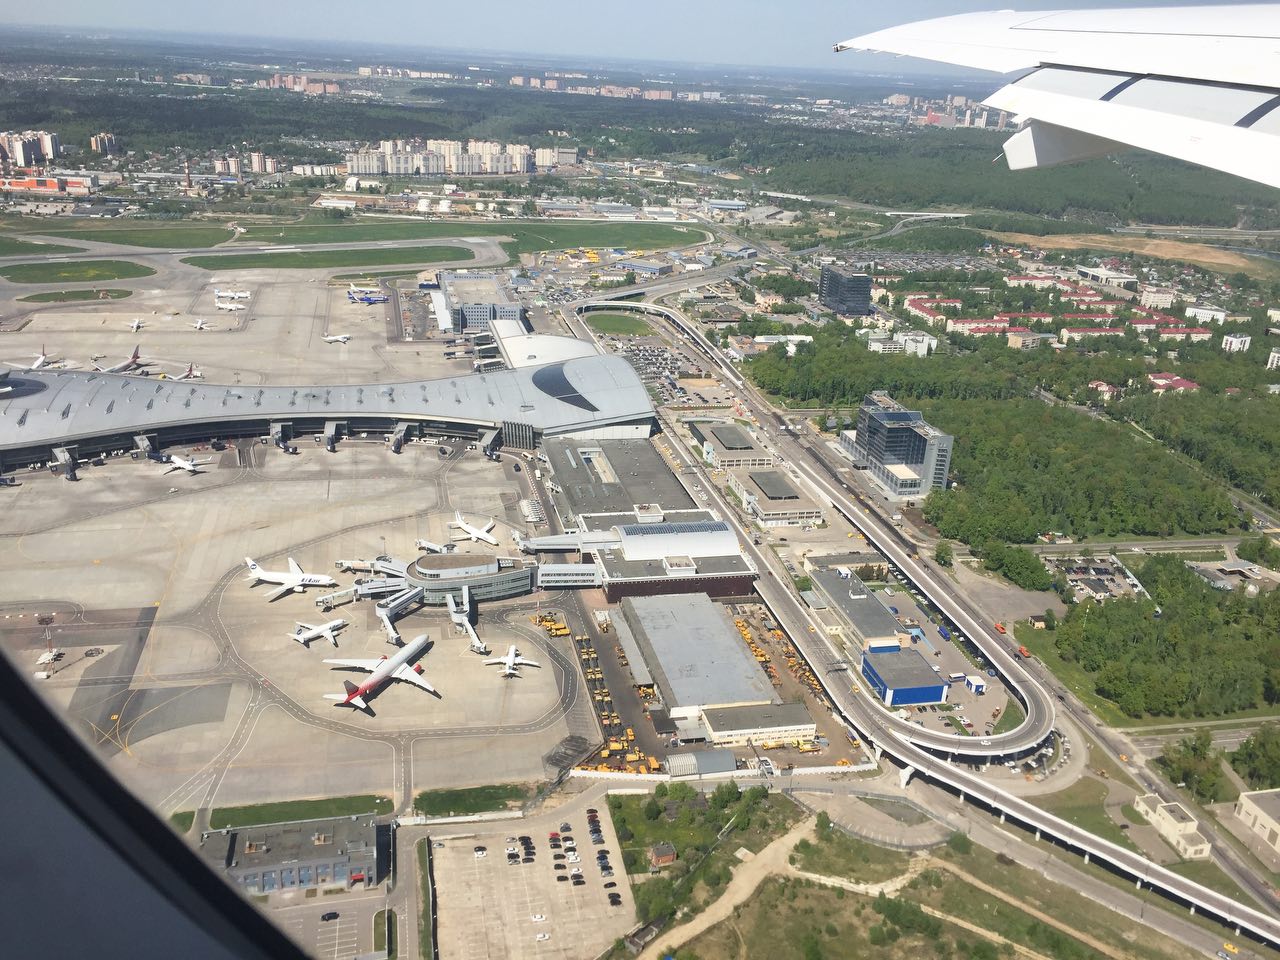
(1189, 651)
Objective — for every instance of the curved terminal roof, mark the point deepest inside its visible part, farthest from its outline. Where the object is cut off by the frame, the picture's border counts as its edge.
(62, 407)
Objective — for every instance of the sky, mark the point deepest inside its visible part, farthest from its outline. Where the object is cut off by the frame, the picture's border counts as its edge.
(765, 32)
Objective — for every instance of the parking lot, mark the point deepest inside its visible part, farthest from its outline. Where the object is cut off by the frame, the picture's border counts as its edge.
(489, 907)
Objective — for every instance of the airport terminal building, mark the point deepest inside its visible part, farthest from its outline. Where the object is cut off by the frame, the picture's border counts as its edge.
(87, 414)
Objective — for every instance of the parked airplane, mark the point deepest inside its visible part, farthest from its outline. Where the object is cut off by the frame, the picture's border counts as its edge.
(294, 580)
(352, 288)
(511, 663)
(201, 325)
(367, 298)
(135, 325)
(337, 338)
(191, 374)
(473, 533)
(134, 360)
(230, 294)
(381, 671)
(182, 463)
(42, 359)
(306, 632)
(224, 305)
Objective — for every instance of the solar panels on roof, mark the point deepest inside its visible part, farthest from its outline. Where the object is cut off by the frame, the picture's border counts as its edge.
(690, 526)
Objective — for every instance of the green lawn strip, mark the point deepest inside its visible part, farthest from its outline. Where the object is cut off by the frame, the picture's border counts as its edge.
(617, 323)
(78, 271)
(288, 810)
(1031, 889)
(13, 247)
(384, 932)
(178, 236)
(468, 800)
(357, 277)
(182, 820)
(526, 236)
(1010, 719)
(836, 854)
(1082, 804)
(1209, 874)
(426, 948)
(68, 296)
(323, 259)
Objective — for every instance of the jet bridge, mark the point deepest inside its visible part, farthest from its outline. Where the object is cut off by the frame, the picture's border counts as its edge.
(390, 609)
(66, 457)
(332, 432)
(401, 434)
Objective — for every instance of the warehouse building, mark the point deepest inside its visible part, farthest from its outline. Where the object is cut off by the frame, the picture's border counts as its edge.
(695, 655)
(903, 678)
(728, 446)
(865, 622)
(740, 726)
(1259, 810)
(771, 498)
(475, 300)
(645, 268)
(300, 855)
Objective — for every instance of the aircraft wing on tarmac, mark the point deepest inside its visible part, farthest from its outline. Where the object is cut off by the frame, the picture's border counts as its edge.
(369, 665)
(410, 675)
(1201, 83)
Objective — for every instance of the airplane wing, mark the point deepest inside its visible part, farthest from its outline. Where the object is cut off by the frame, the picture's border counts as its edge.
(494, 663)
(294, 568)
(489, 526)
(522, 662)
(1197, 83)
(369, 665)
(280, 591)
(406, 672)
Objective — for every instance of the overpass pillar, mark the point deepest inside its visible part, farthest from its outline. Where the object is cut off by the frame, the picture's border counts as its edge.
(1037, 833)
(1086, 856)
(1193, 909)
(904, 778)
(1002, 816)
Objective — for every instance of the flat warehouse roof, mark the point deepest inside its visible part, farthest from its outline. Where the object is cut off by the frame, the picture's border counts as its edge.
(723, 719)
(904, 669)
(473, 288)
(612, 476)
(732, 437)
(859, 605)
(694, 653)
(774, 485)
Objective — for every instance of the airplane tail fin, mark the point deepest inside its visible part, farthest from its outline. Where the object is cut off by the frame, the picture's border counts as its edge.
(136, 352)
(252, 565)
(352, 698)
(299, 638)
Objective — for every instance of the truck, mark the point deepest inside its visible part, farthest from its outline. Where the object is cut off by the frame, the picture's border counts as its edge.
(944, 633)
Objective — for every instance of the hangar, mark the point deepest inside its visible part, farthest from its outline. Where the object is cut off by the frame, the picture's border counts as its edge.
(598, 397)
(903, 678)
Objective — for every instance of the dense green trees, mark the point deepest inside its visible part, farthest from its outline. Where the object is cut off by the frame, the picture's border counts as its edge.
(1195, 763)
(1258, 758)
(1259, 549)
(785, 285)
(1188, 651)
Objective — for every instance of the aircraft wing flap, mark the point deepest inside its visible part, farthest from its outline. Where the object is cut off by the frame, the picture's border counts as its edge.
(407, 673)
(369, 665)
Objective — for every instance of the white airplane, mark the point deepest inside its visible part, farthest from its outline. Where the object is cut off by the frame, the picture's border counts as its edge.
(306, 632)
(134, 360)
(135, 325)
(201, 325)
(359, 290)
(182, 463)
(191, 374)
(1197, 83)
(473, 533)
(337, 338)
(230, 294)
(224, 305)
(294, 580)
(381, 671)
(42, 359)
(511, 663)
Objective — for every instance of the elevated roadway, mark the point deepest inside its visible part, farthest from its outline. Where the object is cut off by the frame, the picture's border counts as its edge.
(917, 750)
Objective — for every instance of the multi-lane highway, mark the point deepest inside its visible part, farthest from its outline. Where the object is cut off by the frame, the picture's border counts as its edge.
(913, 750)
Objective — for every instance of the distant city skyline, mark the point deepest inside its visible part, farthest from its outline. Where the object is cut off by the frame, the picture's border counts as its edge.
(745, 32)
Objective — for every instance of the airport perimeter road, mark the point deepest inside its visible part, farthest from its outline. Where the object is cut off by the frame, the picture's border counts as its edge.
(877, 727)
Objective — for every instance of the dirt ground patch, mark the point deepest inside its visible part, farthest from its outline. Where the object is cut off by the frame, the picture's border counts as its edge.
(1197, 253)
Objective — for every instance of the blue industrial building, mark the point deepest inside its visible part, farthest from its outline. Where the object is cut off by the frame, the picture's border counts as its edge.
(903, 678)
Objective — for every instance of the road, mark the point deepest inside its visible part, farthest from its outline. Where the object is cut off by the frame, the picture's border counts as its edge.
(879, 728)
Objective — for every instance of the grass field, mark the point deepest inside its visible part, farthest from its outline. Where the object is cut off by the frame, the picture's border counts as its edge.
(67, 296)
(1082, 804)
(527, 236)
(1012, 716)
(375, 275)
(13, 247)
(178, 236)
(1209, 874)
(182, 820)
(80, 271)
(298, 810)
(836, 854)
(619, 324)
(323, 259)
(456, 803)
